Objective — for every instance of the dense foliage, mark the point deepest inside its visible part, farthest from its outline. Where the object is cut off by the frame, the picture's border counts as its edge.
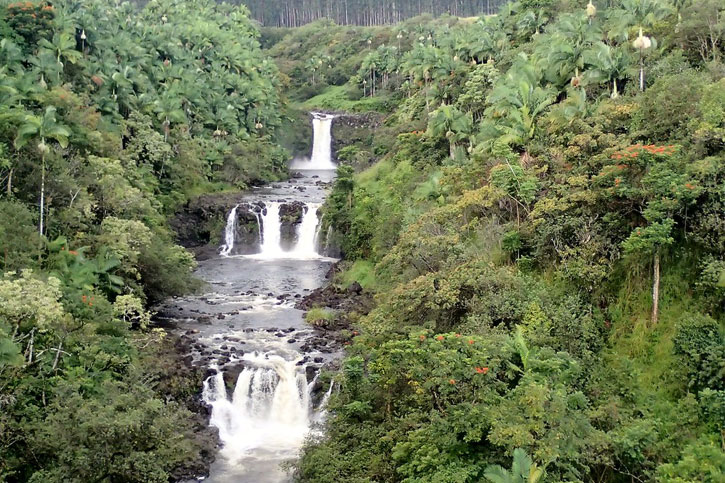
(110, 117)
(543, 234)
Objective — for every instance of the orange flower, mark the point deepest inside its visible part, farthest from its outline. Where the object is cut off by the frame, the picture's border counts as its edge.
(440, 337)
(481, 370)
(452, 381)
(83, 299)
(689, 186)
(470, 342)
(422, 337)
(73, 252)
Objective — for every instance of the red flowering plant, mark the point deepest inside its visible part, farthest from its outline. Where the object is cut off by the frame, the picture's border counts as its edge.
(82, 276)
(655, 181)
(441, 368)
(33, 21)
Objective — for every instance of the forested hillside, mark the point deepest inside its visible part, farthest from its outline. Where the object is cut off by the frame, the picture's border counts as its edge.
(540, 220)
(110, 118)
(294, 13)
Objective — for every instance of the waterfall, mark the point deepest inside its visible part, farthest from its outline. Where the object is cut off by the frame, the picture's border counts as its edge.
(269, 407)
(229, 232)
(306, 232)
(318, 248)
(321, 144)
(259, 226)
(271, 232)
(326, 249)
(323, 404)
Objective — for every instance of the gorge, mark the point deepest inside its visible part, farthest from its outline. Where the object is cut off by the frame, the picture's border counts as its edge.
(263, 360)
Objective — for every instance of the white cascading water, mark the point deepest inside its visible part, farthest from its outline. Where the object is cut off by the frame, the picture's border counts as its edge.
(259, 226)
(271, 232)
(321, 145)
(318, 231)
(306, 232)
(229, 233)
(270, 407)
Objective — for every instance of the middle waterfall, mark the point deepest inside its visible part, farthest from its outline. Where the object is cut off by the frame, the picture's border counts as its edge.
(306, 232)
(271, 230)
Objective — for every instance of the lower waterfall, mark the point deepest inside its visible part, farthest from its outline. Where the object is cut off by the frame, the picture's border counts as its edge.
(269, 408)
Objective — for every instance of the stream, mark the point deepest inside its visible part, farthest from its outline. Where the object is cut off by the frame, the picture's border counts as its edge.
(263, 360)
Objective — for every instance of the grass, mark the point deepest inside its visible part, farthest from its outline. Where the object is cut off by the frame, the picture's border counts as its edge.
(319, 316)
(650, 348)
(362, 272)
(336, 98)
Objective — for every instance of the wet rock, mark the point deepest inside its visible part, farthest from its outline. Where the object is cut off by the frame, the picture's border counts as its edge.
(231, 374)
(290, 216)
(355, 288)
(319, 360)
(291, 341)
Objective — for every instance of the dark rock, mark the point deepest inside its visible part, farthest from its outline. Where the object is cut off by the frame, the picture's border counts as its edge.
(231, 374)
(355, 288)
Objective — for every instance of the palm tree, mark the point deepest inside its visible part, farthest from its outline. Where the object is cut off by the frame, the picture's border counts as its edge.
(635, 13)
(518, 101)
(42, 128)
(523, 470)
(453, 123)
(168, 110)
(562, 51)
(607, 64)
(63, 47)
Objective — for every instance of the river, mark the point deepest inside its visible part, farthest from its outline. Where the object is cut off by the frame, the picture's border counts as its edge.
(263, 359)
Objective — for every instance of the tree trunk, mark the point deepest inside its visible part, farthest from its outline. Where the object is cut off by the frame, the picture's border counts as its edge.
(656, 289)
(10, 183)
(42, 196)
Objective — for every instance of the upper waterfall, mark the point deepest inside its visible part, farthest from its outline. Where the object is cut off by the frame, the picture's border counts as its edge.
(321, 145)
